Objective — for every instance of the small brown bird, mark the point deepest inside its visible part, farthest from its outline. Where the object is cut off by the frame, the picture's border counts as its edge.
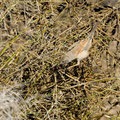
(80, 50)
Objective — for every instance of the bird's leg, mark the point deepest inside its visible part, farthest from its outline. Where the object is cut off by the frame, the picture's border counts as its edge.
(80, 57)
(78, 63)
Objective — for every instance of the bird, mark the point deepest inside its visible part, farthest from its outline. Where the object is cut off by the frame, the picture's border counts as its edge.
(80, 50)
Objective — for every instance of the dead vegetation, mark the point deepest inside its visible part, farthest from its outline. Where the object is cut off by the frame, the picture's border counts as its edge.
(34, 35)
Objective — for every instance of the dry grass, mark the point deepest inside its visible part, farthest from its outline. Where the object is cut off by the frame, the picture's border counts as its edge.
(34, 35)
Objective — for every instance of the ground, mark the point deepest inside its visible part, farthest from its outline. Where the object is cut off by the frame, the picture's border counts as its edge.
(34, 84)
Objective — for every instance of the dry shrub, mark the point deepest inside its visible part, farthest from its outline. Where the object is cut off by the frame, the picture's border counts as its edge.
(34, 37)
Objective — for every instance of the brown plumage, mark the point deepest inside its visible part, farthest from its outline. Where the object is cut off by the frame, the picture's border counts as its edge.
(80, 50)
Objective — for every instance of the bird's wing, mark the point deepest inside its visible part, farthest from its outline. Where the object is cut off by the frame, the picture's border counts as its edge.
(88, 41)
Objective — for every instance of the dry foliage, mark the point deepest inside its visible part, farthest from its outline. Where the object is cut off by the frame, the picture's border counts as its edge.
(35, 34)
